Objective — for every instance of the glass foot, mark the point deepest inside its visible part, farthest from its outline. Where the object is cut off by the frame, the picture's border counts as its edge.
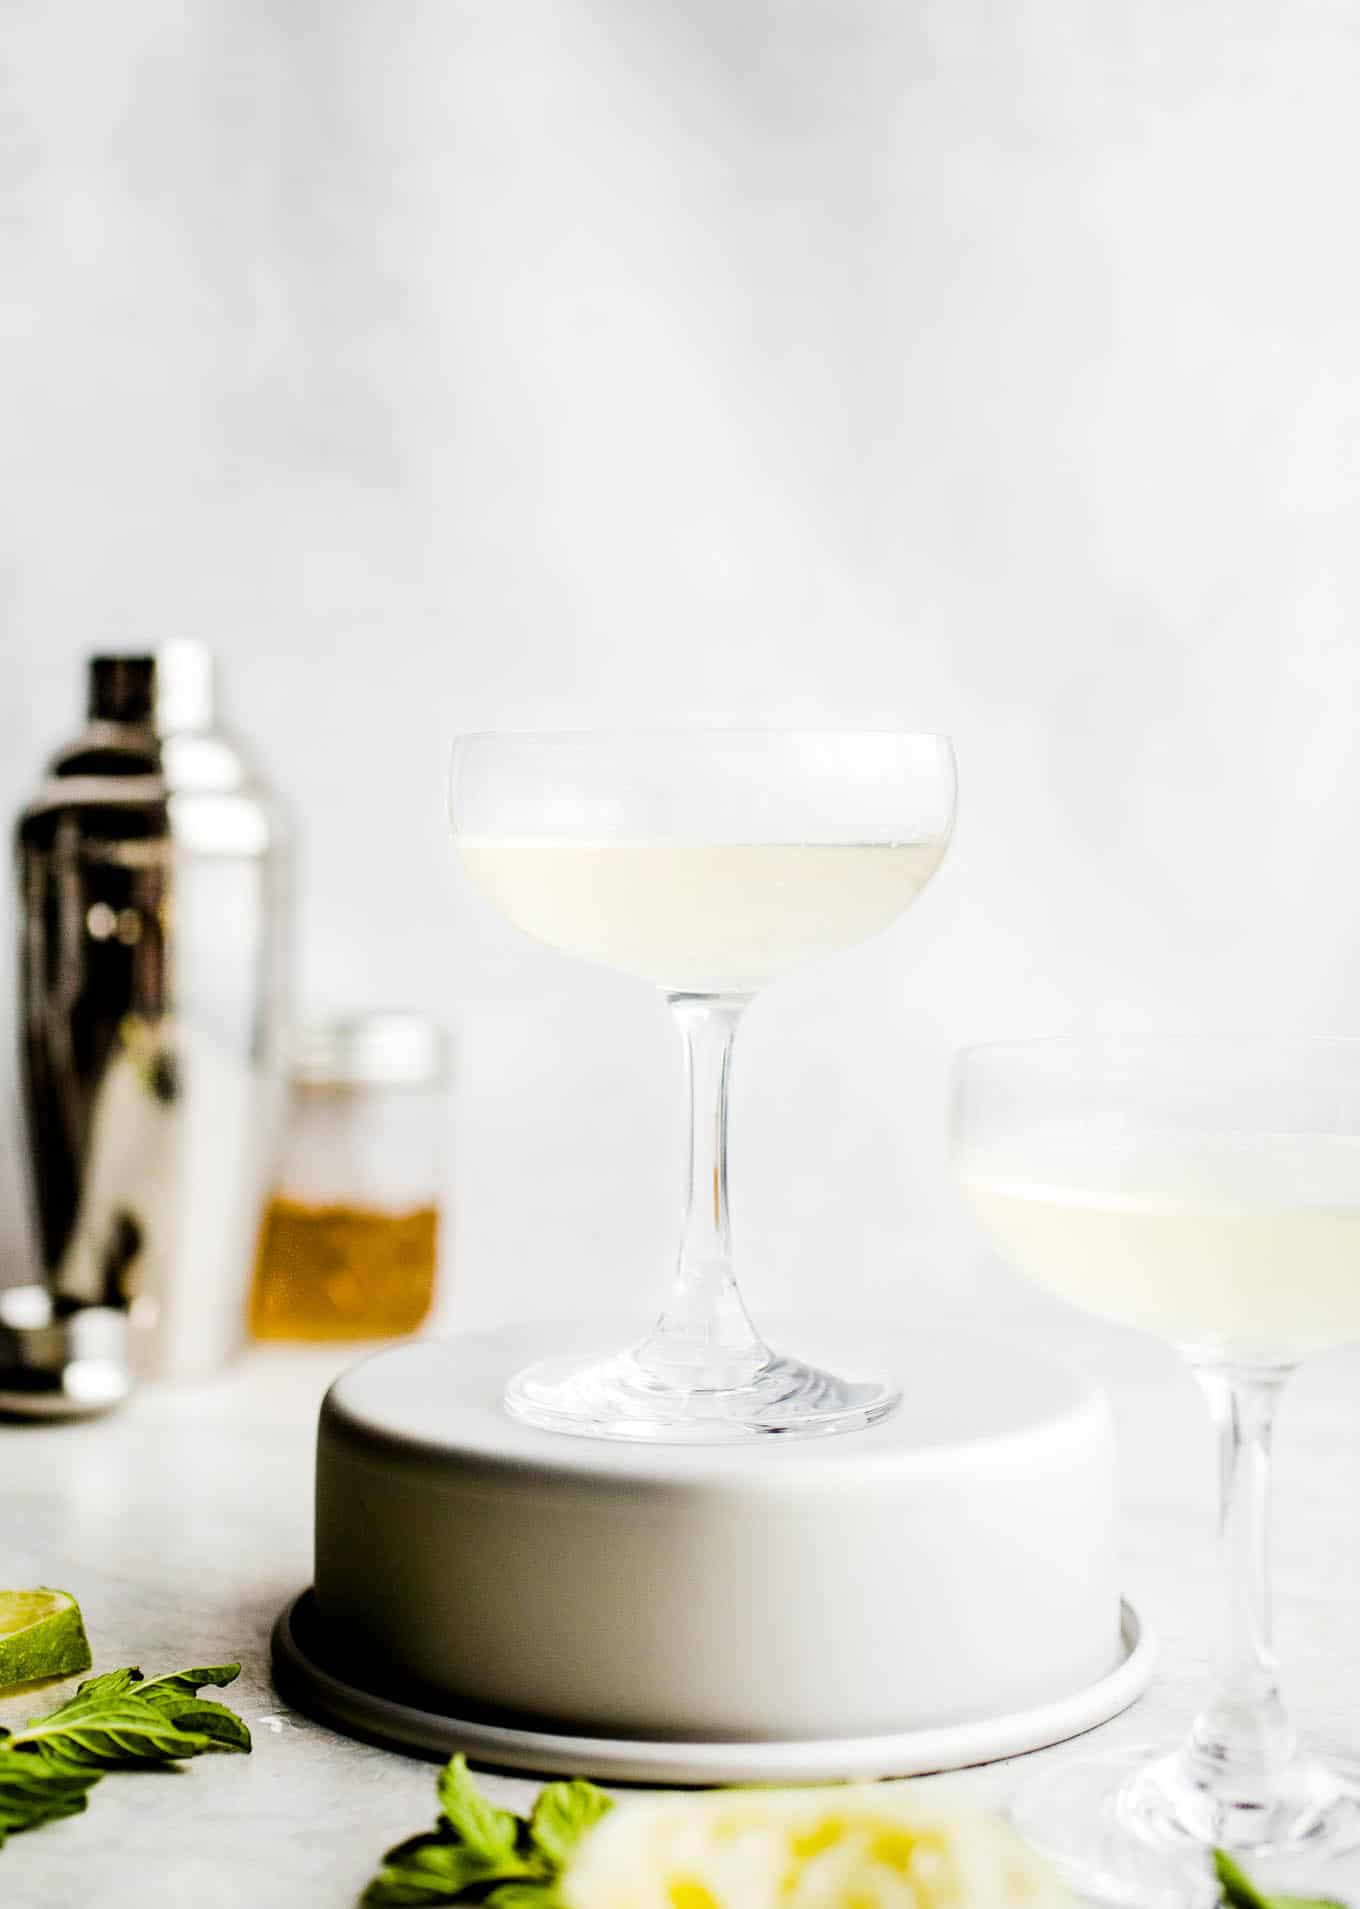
(1136, 1829)
(620, 1398)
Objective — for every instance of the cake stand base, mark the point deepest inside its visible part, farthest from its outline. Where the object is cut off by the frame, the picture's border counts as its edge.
(317, 1672)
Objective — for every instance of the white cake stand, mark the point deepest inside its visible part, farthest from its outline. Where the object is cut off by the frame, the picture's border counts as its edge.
(932, 1591)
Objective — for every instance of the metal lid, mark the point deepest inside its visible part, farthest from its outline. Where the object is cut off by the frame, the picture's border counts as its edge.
(122, 688)
(175, 687)
(387, 1048)
(186, 697)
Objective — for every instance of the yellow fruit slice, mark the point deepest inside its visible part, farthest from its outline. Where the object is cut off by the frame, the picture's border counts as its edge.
(870, 1846)
(42, 1634)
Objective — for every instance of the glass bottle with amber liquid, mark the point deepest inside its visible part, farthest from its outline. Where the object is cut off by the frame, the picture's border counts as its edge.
(350, 1238)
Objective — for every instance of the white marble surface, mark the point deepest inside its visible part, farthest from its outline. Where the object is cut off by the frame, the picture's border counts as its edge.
(184, 1523)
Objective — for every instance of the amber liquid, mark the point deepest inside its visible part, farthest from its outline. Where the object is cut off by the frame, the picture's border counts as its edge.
(342, 1272)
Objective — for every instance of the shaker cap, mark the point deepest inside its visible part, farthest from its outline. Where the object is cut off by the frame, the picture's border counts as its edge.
(122, 689)
(175, 688)
(185, 687)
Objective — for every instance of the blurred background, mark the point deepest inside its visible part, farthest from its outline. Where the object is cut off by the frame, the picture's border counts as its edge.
(456, 364)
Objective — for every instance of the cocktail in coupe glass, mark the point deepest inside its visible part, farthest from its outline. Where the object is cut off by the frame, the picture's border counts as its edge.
(1206, 1189)
(708, 862)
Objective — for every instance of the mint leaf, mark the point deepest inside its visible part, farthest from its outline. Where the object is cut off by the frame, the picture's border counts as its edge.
(428, 1869)
(175, 1697)
(474, 1819)
(399, 1889)
(223, 1729)
(104, 1733)
(113, 1722)
(32, 1794)
(187, 1683)
(563, 1814)
(113, 1683)
(433, 1855)
(118, 1719)
(480, 1854)
(1238, 1892)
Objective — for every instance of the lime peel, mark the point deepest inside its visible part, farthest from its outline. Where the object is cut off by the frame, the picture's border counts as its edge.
(42, 1635)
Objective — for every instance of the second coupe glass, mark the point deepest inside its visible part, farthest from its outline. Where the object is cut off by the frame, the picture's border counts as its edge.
(1206, 1189)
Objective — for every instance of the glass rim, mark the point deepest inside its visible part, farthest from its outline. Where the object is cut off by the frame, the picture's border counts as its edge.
(651, 732)
(1159, 1040)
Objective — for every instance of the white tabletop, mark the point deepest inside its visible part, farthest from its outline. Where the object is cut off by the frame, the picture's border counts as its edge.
(183, 1523)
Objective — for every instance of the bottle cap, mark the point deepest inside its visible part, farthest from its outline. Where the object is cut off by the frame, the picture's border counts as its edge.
(385, 1048)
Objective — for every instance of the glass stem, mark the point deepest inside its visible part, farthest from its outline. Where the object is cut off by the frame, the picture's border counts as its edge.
(1242, 1740)
(704, 1340)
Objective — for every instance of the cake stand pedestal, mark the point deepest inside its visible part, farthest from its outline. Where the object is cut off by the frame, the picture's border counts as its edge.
(935, 1590)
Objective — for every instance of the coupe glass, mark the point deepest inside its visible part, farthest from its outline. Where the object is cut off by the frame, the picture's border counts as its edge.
(1206, 1189)
(708, 862)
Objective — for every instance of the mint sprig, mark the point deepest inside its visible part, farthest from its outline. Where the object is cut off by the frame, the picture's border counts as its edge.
(480, 1853)
(117, 1721)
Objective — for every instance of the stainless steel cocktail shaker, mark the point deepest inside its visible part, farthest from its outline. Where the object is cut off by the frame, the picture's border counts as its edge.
(152, 917)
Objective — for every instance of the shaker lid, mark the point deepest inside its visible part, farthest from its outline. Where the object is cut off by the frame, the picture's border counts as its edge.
(122, 688)
(382, 1048)
(175, 686)
(185, 687)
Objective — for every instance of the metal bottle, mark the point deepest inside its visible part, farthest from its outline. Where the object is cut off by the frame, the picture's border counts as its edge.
(152, 1000)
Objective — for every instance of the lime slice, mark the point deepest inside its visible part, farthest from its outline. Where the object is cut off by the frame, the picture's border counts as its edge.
(41, 1635)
